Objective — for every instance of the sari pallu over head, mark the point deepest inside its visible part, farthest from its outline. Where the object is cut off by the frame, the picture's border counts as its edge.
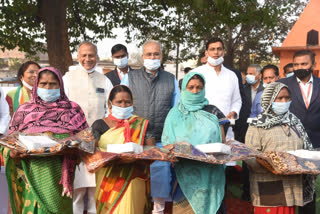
(37, 116)
(43, 175)
(268, 119)
(202, 184)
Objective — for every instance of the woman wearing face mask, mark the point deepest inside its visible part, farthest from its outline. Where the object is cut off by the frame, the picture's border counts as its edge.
(277, 129)
(27, 74)
(195, 122)
(128, 190)
(42, 184)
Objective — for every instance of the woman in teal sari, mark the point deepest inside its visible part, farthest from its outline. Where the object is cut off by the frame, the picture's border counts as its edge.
(190, 121)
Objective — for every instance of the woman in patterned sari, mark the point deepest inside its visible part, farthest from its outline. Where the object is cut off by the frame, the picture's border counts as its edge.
(27, 75)
(122, 187)
(277, 129)
(34, 182)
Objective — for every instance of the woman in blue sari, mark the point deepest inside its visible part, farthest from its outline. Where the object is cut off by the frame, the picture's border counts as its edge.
(191, 121)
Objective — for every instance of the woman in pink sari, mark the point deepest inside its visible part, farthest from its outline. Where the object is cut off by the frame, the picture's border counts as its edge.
(35, 182)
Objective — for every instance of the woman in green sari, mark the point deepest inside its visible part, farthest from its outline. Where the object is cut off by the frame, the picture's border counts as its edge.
(34, 182)
(190, 121)
(27, 74)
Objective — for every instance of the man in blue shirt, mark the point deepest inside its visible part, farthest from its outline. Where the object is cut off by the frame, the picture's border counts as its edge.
(270, 73)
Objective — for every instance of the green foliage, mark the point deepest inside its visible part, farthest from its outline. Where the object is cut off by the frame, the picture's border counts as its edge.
(14, 64)
(3, 63)
(247, 26)
(21, 23)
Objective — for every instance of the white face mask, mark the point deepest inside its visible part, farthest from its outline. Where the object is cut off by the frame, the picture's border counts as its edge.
(152, 64)
(251, 79)
(121, 113)
(215, 62)
(280, 108)
(26, 85)
(89, 71)
(290, 74)
(48, 95)
(121, 63)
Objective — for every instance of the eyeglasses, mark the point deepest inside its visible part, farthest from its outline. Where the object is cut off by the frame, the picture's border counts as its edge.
(32, 72)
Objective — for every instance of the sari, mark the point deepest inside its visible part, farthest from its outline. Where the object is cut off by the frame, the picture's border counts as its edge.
(17, 97)
(34, 182)
(123, 188)
(201, 184)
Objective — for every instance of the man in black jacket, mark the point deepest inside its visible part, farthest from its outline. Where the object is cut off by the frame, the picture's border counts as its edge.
(305, 96)
(120, 60)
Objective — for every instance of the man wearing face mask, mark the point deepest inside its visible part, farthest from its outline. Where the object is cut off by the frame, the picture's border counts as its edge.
(254, 84)
(305, 104)
(155, 92)
(120, 60)
(222, 88)
(251, 88)
(288, 70)
(90, 89)
(270, 73)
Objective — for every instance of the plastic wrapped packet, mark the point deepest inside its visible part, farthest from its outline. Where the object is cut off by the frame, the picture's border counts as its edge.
(130, 147)
(301, 153)
(214, 148)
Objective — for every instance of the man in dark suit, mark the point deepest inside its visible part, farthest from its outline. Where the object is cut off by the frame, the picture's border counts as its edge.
(120, 60)
(305, 104)
(250, 89)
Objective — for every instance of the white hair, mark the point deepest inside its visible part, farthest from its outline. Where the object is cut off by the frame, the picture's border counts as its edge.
(88, 43)
(150, 42)
(257, 67)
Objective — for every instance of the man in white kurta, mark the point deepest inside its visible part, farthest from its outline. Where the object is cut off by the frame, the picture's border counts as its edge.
(85, 85)
(222, 87)
(4, 114)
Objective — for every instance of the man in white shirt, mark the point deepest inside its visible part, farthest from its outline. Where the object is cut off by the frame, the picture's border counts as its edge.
(120, 60)
(4, 114)
(90, 89)
(222, 87)
(85, 85)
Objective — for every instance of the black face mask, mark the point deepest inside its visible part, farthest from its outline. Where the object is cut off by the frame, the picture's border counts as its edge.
(302, 73)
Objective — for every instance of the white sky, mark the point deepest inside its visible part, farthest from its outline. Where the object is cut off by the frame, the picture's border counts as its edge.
(105, 45)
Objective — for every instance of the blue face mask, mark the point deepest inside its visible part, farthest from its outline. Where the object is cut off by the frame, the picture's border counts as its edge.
(48, 95)
(122, 113)
(280, 108)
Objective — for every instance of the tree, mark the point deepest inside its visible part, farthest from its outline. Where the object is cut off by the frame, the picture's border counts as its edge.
(63, 24)
(248, 27)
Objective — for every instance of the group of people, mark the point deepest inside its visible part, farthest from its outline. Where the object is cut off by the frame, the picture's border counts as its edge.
(148, 107)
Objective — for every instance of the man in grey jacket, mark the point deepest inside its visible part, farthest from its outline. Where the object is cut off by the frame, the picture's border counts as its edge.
(155, 92)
